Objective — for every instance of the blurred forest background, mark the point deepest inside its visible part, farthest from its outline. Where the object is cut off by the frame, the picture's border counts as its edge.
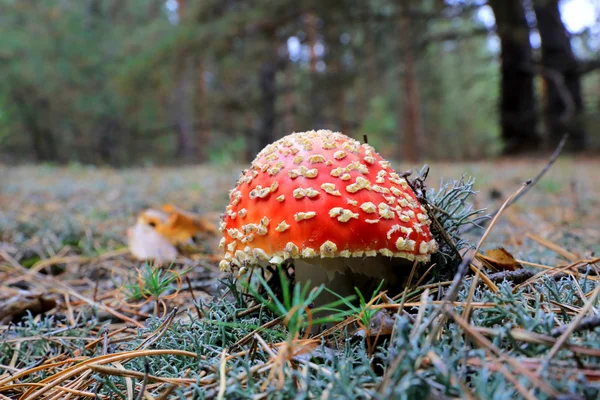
(125, 82)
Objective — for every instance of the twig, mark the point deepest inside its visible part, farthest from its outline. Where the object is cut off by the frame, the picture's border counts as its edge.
(518, 276)
(198, 311)
(485, 343)
(248, 311)
(533, 181)
(507, 203)
(165, 395)
(571, 327)
(418, 187)
(104, 340)
(222, 376)
(160, 331)
(249, 336)
(450, 296)
(140, 395)
(478, 273)
(586, 323)
(46, 282)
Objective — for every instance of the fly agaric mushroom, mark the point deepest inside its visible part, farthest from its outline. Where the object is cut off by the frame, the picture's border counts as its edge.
(324, 199)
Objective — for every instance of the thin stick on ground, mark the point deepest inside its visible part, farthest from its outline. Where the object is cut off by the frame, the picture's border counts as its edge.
(467, 309)
(484, 342)
(140, 395)
(450, 296)
(571, 327)
(587, 323)
(46, 282)
(532, 181)
(222, 375)
(159, 332)
(198, 311)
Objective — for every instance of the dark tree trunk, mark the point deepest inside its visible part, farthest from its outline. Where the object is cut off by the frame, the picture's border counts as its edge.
(268, 89)
(269, 95)
(108, 134)
(564, 102)
(336, 77)
(202, 128)
(411, 136)
(155, 8)
(517, 99)
(289, 100)
(316, 105)
(32, 117)
(185, 143)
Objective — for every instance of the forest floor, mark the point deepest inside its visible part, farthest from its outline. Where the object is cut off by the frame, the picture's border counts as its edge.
(63, 257)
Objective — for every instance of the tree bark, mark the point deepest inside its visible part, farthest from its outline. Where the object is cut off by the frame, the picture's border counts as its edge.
(411, 137)
(518, 119)
(316, 104)
(184, 130)
(33, 119)
(202, 123)
(268, 89)
(564, 103)
(289, 99)
(311, 35)
(269, 95)
(335, 76)
(107, 134)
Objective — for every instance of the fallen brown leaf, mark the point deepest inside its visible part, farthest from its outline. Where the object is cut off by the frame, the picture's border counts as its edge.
(499, 260)
(176, 225)
(145, 243)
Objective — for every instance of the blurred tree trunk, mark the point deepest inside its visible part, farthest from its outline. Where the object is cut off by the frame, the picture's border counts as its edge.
(564, 103)
(289, 99)
(517, 99)
(311, 35)
(360, 102)
(268, 90)
(182, 102)
(336, 77)
(410, 143)
(371, 62)
(155, 8)
(184, 130)
(107, 136)
(433, 66)
(316, 108)
(33, 118)
(202, 124)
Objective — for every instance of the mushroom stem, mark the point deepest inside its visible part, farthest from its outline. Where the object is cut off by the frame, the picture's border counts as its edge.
(342, 275)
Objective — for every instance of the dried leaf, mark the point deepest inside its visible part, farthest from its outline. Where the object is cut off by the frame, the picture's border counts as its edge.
(145, 243)
(176, 225)
(499, 260)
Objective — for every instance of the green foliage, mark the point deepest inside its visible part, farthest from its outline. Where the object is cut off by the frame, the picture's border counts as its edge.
(295, 305)
(407, 365)
(453, 209)
(222, 153)
(363, 311)
(121, 82)
(45, 331)
(380, 125)
(551, 186)
(152, 282)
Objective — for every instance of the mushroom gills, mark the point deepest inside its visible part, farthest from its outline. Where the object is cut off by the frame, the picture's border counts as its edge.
(342, 275)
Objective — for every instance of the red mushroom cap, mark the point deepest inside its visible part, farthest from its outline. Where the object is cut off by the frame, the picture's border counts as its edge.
(322, 194)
